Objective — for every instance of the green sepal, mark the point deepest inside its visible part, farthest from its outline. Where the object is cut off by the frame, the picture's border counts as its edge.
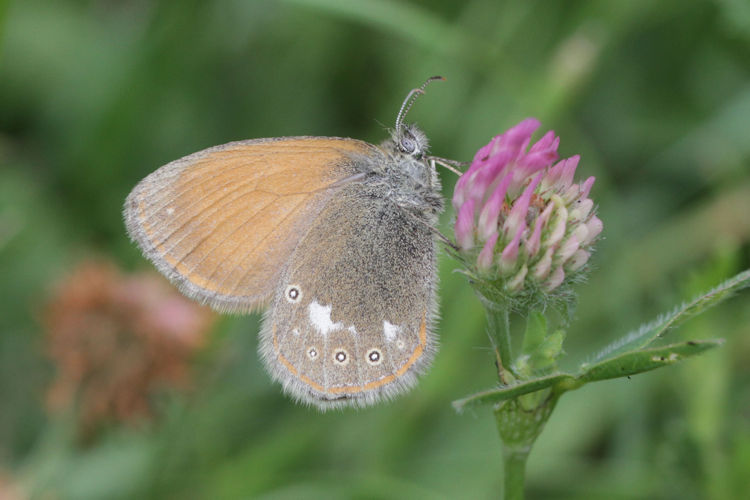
(536, 331)
(545, 356)
(520, 423)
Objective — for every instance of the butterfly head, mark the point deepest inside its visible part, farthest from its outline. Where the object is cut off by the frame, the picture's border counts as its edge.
(410, 140)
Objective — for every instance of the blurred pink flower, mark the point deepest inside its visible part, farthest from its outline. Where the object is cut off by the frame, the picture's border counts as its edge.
(10, 487)
(520, 216)
(117, 339)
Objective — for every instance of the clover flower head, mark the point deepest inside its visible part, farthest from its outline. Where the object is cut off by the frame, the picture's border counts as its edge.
(521, 217)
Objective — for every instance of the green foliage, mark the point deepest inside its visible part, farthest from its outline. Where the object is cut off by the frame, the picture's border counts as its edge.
(626, 356)
(504, 393)
(655, 97)
(528, 393)
(650, 332)
(623, 365)
(643, 360)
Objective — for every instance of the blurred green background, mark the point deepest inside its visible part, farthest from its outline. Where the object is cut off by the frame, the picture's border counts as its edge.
(655, 96)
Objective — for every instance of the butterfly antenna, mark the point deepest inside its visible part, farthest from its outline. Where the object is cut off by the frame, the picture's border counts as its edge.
(409, 101)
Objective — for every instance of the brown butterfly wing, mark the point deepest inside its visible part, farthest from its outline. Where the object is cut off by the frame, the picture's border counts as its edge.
(357, 326)
(221, 223)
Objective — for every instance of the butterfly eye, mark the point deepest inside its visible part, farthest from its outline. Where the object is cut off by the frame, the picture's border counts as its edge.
(408, 144)
(293, 294)
(412, 141)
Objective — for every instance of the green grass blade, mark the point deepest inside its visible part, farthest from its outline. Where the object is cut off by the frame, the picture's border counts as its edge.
(408, 20)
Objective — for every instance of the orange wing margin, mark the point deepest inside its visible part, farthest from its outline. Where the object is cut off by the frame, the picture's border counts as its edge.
(221, 223)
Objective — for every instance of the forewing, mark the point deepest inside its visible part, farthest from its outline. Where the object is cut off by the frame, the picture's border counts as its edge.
(357, 326)
(222, 223)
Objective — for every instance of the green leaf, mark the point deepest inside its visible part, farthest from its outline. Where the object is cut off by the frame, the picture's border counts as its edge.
(650, 332)
(644, 360)
(499, 394)
(626, 364)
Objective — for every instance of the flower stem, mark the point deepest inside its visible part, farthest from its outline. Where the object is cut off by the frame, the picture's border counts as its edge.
(520, 421)
(498, 319)
(514, 469)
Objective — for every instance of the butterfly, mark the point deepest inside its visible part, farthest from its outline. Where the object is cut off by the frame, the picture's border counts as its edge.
(335, 236)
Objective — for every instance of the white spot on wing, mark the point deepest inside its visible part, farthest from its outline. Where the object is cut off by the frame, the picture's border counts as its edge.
(390, 330)
(170, 210)
(320, 318)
